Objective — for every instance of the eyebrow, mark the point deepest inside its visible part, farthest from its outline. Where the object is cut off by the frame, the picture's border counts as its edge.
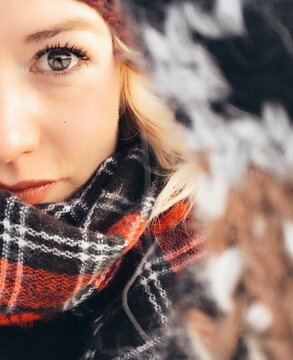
(68, 25)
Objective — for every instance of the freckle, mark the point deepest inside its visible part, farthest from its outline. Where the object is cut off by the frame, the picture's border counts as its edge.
(64, 122)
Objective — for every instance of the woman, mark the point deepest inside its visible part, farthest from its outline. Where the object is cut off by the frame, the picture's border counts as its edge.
(94, 188)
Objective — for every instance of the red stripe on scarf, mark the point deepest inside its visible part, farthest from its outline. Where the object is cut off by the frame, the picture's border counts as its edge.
(179, 236)
(131, 227)
(171, 217)
(22, 319)
(38, 288)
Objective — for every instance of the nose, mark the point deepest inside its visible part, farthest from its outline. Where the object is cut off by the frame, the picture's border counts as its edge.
(18, 131)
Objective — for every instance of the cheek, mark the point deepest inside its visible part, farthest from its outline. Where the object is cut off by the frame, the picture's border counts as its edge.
(86, 117)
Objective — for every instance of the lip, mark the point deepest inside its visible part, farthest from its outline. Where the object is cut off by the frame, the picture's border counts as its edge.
(25, 184)
(30, 191)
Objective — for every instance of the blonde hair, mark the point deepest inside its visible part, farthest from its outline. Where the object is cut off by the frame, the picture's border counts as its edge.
(157, 124)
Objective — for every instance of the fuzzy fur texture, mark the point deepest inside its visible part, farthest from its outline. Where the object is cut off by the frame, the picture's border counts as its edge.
(226, 69)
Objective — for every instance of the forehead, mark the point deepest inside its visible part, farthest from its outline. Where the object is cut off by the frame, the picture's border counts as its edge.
(20, 18)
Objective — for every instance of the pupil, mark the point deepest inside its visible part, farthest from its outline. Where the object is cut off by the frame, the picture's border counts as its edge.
(59, 60)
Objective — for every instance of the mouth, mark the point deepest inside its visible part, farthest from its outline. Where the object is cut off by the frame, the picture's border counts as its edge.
(31, 192)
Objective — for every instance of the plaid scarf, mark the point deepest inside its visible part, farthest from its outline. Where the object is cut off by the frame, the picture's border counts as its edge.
(55, 256)
(133, 317)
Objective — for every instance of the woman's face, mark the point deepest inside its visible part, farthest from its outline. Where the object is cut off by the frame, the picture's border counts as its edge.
(59, 93)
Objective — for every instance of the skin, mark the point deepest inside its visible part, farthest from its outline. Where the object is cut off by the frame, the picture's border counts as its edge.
(52, 125)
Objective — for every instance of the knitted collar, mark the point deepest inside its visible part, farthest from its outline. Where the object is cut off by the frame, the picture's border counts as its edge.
(55, 256)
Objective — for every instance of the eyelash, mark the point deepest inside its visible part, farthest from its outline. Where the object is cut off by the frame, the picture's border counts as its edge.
(73, 49)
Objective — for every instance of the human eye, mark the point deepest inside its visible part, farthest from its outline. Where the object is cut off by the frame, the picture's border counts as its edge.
(57, 60)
